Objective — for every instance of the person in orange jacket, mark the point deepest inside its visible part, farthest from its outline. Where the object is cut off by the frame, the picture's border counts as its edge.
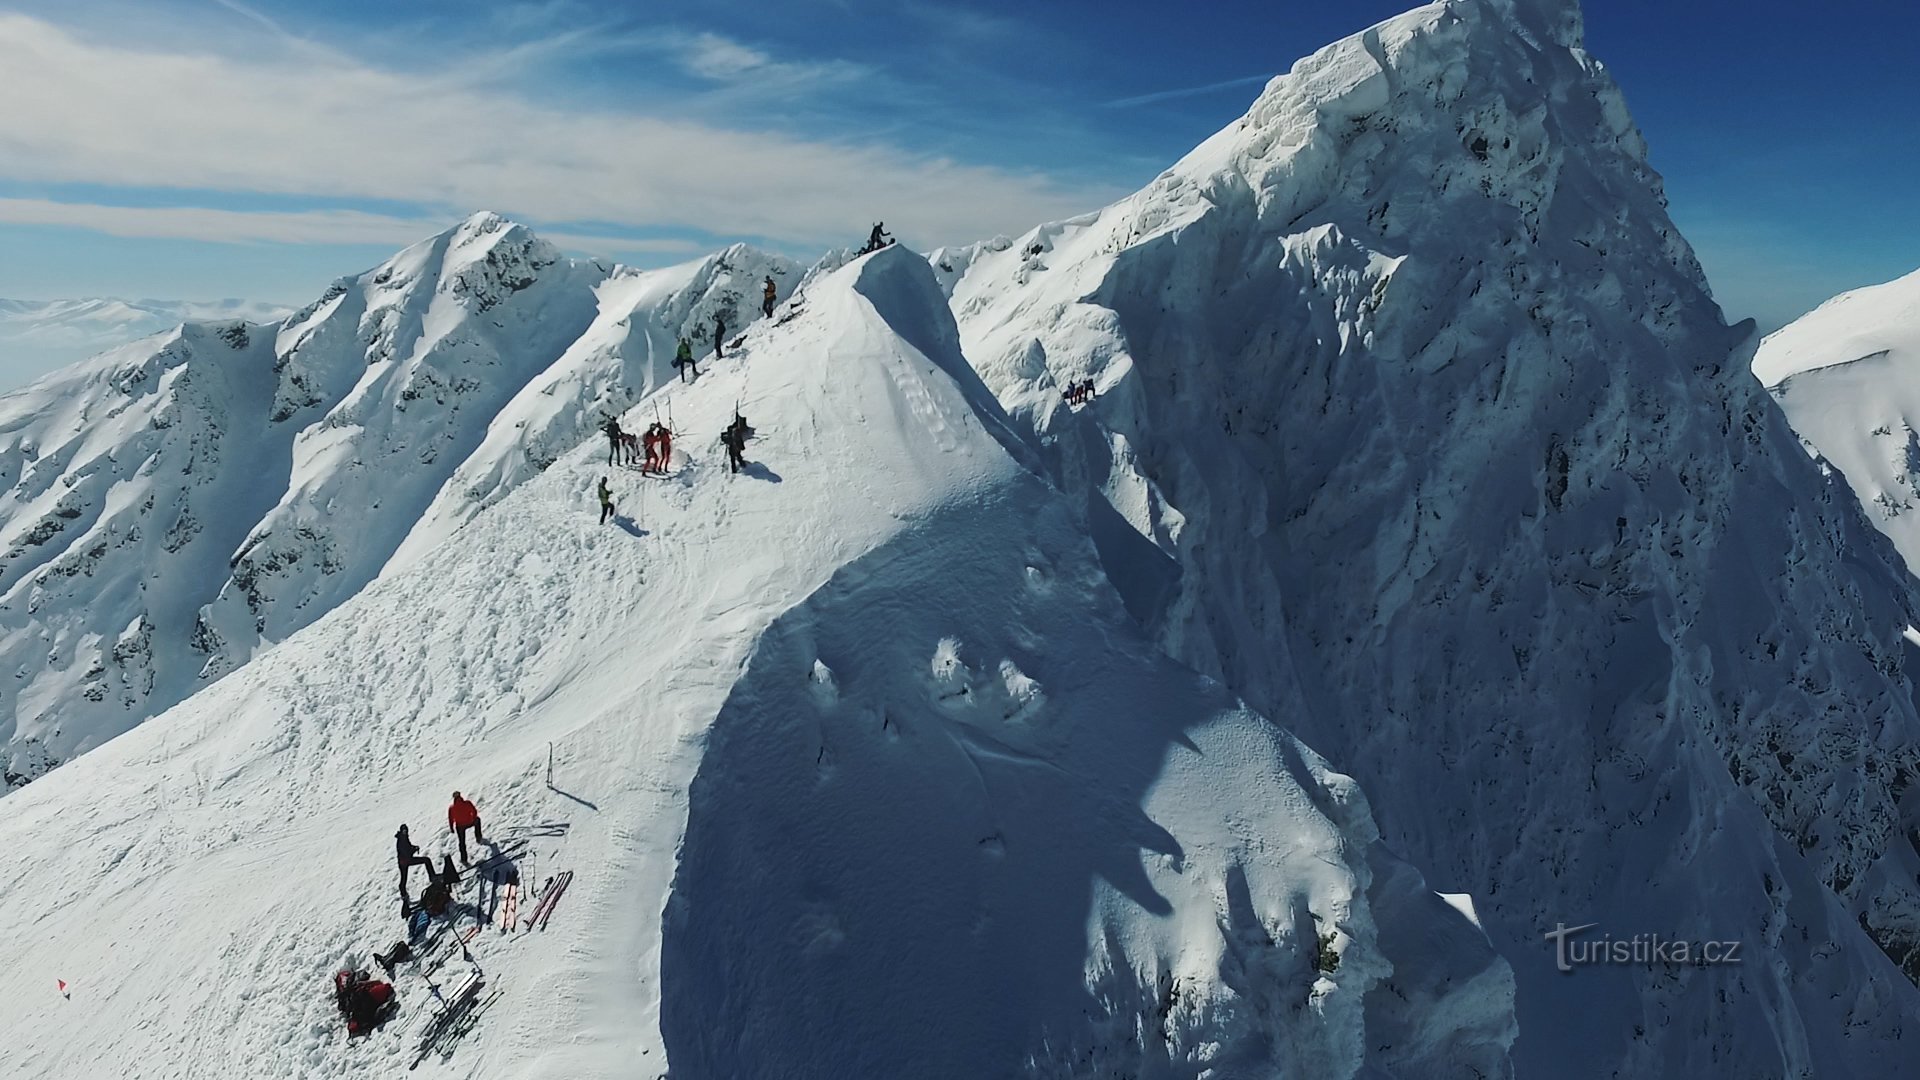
(461, 816)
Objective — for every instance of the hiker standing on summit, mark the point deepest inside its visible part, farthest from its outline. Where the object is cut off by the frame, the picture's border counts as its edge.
(461, 816)
(767, 297)
(719, 334)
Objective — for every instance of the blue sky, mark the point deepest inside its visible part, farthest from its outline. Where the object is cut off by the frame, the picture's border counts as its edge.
(203, 148)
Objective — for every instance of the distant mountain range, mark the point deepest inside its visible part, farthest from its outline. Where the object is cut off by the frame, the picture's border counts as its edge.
(40, 336)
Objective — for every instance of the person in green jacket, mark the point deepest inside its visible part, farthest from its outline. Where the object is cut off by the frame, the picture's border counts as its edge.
(683, 359)
(606, 501)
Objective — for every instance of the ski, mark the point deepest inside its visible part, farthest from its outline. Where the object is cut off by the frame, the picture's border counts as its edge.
(543, 828)
(449, 1016)
(510, 910)
(443, 1040)
(559, 888)
(545, 893)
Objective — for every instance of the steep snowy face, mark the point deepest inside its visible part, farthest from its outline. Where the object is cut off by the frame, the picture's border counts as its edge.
(866, 770)
(174, 506)
(1411, 396)
(1848, 377)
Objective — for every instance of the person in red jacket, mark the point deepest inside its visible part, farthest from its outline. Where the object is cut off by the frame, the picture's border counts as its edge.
(461, 816)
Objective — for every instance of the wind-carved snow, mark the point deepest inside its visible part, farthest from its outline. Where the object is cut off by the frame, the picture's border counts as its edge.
(796, 854)
(1848, 377)
(1416, 419)
(170, 508)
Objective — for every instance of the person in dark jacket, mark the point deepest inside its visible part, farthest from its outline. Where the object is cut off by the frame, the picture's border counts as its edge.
(461, 816)
(734, 438)
(767, 297)
(719, 335)
(606, 501)
(409, 856)
(612, 428)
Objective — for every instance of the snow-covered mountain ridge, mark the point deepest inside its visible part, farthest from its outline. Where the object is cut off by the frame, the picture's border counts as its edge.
(1848, 377)
(868, 774)
(168, 508)
(1413, 401)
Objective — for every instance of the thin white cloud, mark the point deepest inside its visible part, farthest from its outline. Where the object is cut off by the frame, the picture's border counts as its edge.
(334, 129)
(1185, 91)
(339, 227)
(716, 57)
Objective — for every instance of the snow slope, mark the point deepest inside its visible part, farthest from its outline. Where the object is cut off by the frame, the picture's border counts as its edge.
(866, 769)
(1414, 403)
(171, 507)
(40, 336)
(1848, 377)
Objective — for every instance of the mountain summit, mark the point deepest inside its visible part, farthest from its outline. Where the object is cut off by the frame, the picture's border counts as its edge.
(1412, 401)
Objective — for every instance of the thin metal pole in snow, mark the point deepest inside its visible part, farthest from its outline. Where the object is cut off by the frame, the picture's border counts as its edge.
(549, 764)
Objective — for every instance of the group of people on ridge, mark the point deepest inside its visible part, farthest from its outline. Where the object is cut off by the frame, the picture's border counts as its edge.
(1078, 393)
(652, 448)
(365, 1001)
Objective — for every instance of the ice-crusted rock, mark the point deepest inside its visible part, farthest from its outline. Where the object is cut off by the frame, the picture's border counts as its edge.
(1414, 402)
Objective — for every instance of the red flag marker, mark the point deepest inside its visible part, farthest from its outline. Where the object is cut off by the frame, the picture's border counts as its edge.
(63, 988)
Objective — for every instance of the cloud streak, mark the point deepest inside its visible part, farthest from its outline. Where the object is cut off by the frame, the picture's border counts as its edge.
(329, 227)
(332, 129)
(1184, 92)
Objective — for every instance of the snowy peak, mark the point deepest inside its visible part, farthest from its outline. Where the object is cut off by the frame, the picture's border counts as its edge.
(1411, 401)
(1880, 322)
(1848, 377)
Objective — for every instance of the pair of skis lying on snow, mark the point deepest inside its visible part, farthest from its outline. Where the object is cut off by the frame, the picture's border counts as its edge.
(542, 909)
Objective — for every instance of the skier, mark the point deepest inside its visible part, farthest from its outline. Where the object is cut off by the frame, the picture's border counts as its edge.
(734, 438)
(651, 440)
(461, 816)
(719, 334)
(767, 296)
(878, 239)
(665, 460)
(409, 856)
(612, 428)
(363, 1000)
(683, 359)
(606, 511)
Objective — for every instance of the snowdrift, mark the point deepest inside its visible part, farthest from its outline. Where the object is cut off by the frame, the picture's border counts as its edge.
(170, 508)
(1848, 377)
(866, 772)
(1416, 421)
